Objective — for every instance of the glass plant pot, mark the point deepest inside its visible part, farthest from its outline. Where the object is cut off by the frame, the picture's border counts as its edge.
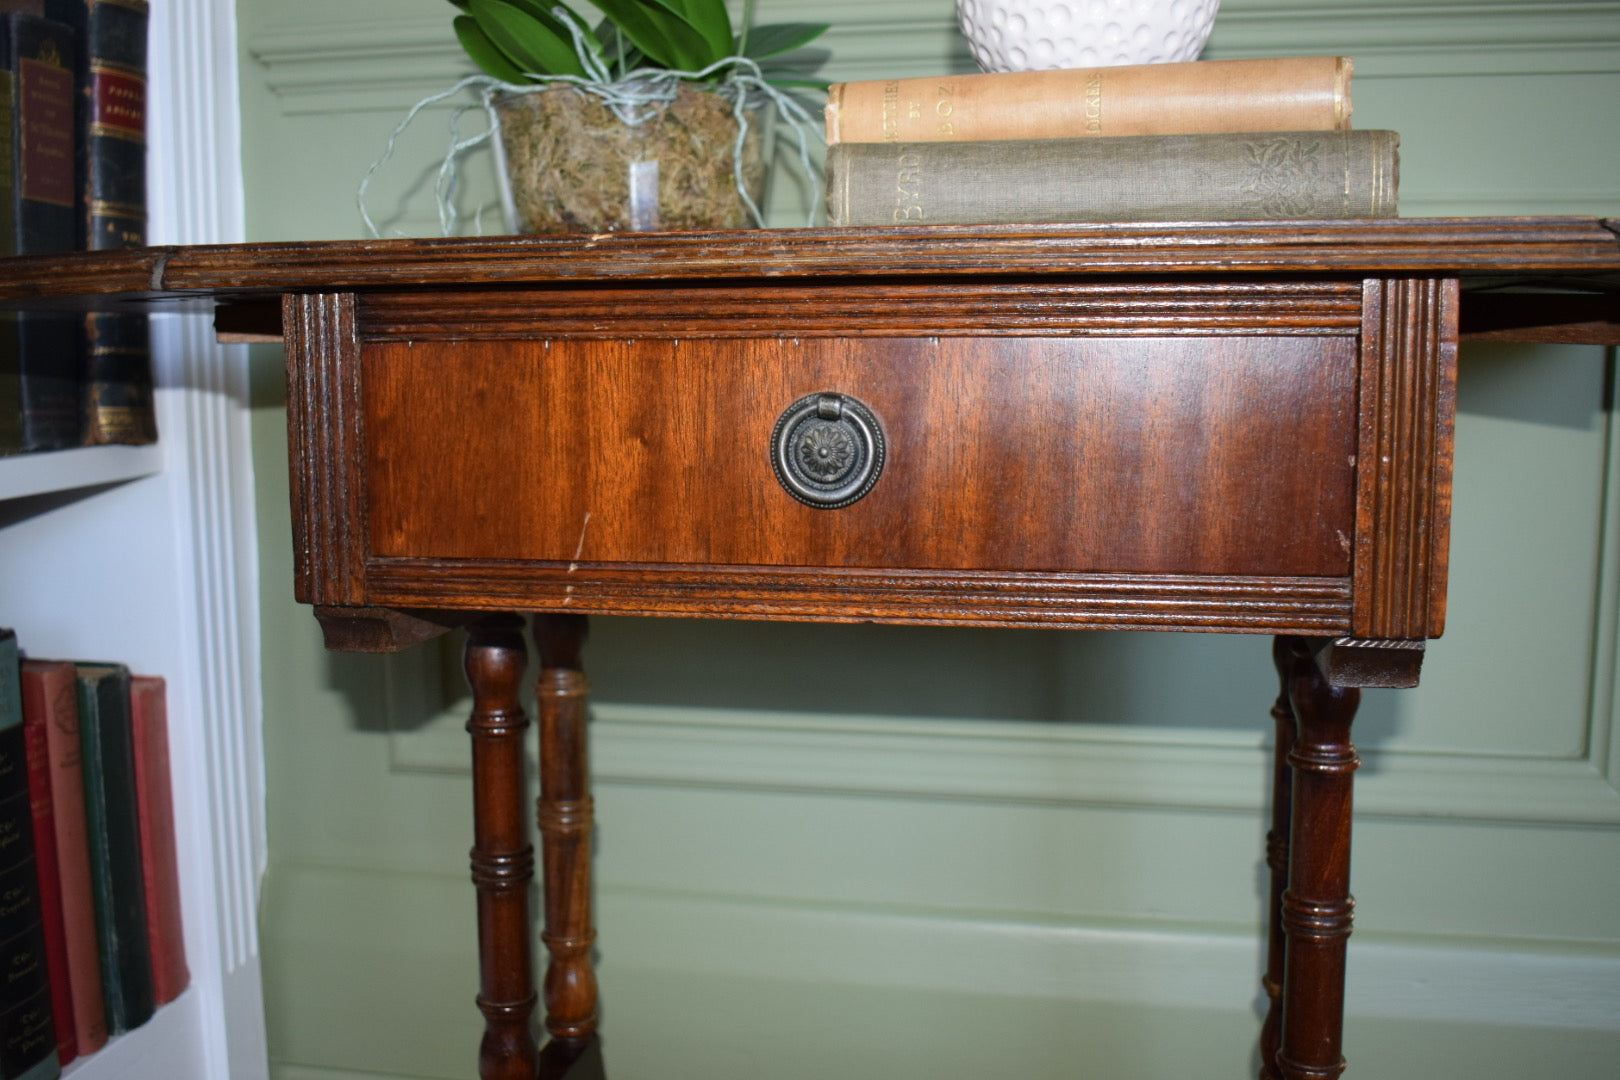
(572, 165)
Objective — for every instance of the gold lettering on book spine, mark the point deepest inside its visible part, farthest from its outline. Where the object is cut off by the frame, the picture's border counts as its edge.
(891, 111)
(1094, 104)
(944, 110)
(908, 188)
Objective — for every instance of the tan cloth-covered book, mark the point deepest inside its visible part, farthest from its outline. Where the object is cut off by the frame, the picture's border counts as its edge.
(1309, 93)
(1246, 177)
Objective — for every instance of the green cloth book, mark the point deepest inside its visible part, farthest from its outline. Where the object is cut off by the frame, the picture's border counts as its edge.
(106, 741)
(1219, 177)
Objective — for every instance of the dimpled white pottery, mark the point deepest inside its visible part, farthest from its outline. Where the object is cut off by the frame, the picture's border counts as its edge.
(1030, 35)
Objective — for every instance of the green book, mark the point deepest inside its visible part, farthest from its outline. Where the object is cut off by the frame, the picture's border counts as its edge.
(107, 746)
(27, 1034)
(1274, 176)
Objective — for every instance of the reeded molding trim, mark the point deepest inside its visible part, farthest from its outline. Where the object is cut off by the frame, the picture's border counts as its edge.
(323, 355)
(882, 309)
(195, 191)
(1244, 604)
(1403, 501)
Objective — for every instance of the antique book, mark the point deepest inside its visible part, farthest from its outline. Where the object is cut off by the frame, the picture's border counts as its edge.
(27, 1035)
(160, 867)
(48, 354)
(1277, 176)
(53, 933)
(111, 818)
(111, 204)
(1309, 93)
(51, 707)
(10, 376)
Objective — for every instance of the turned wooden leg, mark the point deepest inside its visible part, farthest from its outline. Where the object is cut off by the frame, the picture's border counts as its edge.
(1316, 911)
(1282, 778)
(565, 828)
(502, 858)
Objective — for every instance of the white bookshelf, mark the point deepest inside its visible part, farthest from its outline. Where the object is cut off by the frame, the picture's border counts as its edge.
(169, 1044)
(146, 555)
(22, 475)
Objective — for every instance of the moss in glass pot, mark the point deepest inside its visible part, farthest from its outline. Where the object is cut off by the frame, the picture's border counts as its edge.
(657, 117)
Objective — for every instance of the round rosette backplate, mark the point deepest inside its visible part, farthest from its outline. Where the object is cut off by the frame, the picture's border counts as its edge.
(827, 450)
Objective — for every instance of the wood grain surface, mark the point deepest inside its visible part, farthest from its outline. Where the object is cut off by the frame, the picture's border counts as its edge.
(1183, 455)
(1433, 246)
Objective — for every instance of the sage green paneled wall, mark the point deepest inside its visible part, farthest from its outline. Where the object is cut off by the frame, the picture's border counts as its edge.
(992, 853)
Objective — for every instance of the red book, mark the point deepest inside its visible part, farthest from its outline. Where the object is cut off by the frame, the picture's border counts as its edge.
(51, 728)
(160, 867)
(50, 885)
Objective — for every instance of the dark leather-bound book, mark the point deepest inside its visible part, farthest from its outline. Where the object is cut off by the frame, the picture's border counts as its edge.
(111, 206)
(48, 354)
(111, 817)
(27, 1035)
(10, 377)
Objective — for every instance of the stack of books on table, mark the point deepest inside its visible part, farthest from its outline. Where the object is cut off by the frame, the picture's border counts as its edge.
(1233, 140)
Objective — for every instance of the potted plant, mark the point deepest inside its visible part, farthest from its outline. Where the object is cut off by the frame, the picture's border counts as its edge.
(658, 116)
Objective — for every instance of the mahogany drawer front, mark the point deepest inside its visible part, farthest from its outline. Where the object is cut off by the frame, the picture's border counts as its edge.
(1184, 455)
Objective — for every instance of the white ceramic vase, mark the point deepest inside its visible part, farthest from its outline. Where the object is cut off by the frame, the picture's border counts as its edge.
(1028, 35)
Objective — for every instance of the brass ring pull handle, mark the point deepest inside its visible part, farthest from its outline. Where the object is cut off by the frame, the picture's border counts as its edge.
(827, 450)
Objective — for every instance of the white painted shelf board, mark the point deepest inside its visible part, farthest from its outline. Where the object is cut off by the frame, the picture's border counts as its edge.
(166, 1045)
(64, 470)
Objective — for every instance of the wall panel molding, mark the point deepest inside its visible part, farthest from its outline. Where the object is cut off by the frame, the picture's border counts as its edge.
(341, 65)
(1013, 761)
(1574, 987)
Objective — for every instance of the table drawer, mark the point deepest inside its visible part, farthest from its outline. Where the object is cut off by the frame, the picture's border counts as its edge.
(1271, 457)
(1175, 455)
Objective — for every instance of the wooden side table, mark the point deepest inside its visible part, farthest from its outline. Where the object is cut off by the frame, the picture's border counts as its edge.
(1208, 427)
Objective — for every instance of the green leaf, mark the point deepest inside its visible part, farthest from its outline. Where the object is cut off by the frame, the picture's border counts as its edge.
(533, 43)
(796, 67)
(541, 11)
(483, 51)
(779, 38)
(711, 19)
(662, 33)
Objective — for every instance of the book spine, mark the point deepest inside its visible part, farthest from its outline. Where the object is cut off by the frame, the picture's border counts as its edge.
(10, 377)
(111, 210)
(50, 692)
(115, 845)
(1287, 94)
(1329, 174)
(46, 869)
(49, 349)
(160, 860)
(27, 1036)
